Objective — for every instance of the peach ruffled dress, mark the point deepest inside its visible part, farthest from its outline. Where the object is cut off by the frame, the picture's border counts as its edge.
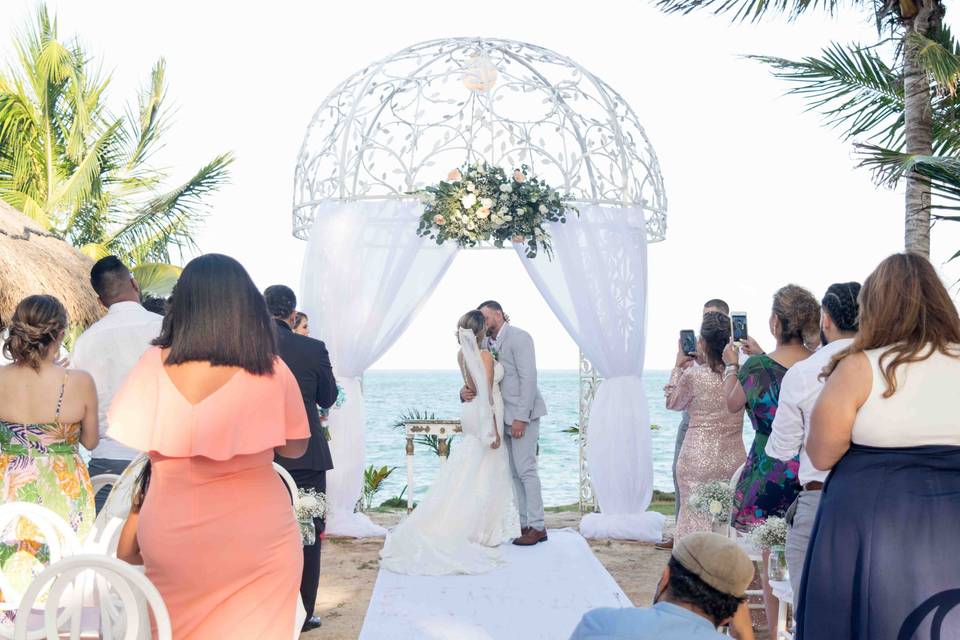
(216, 530)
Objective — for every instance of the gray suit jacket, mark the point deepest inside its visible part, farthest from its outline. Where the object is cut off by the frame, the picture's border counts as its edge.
(521, 397)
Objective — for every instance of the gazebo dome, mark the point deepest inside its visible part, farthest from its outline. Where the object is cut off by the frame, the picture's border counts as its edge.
(407, 120)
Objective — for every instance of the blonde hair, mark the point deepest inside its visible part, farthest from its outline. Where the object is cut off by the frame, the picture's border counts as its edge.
(475, 322)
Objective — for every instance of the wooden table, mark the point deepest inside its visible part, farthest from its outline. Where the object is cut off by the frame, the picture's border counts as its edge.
(442, 429)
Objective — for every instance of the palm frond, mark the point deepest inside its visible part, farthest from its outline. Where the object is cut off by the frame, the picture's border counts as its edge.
(851, 86)
(148, 124)
(942, 173)
(750, 10)
(170, 218)
(940, 62)
(156, 279)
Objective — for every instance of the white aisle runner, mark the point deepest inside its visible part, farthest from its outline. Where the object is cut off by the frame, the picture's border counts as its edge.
(541, 592)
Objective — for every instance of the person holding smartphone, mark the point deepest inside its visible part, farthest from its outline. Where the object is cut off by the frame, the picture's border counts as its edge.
(713, 446)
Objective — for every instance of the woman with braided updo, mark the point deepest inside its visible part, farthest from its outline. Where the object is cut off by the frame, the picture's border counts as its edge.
(45, 412)
(713, 447)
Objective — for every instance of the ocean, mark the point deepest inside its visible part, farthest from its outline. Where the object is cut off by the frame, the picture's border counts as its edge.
(390, 394)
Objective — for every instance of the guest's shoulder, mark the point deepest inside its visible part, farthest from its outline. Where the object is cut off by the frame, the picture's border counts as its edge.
(608, 620)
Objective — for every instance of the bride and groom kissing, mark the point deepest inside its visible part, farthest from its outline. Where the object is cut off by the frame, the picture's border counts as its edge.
(488, 492)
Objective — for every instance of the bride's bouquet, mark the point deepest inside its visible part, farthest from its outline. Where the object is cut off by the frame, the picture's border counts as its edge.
(309, 505)
(714, 499)
(481, 203)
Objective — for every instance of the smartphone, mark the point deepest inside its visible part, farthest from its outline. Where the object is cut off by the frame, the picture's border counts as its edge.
(738, 320)
(688, 342)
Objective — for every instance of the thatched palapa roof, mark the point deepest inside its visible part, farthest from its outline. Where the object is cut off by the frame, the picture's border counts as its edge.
(35, 261)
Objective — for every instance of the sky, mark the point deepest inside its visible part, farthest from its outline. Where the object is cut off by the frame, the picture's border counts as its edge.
(760, 193)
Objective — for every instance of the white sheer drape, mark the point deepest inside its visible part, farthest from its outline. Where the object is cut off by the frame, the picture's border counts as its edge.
(366, 274)
(596, 284)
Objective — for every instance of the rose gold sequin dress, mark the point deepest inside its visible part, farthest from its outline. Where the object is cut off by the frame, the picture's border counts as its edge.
(713, 447)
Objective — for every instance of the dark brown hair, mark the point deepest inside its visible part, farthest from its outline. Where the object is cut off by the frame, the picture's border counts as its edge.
(300, 319)
(216, 315)
(496, 306)
(799, 314)
(715, 332)
(904, 306)
(37, 324)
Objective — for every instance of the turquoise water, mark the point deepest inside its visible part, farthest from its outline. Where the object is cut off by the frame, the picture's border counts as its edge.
(389, 394)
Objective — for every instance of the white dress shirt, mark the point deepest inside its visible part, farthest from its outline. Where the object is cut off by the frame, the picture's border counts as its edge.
(799, 390)
(108, 351)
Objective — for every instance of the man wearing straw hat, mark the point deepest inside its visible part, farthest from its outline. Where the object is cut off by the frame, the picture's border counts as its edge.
(703, 587)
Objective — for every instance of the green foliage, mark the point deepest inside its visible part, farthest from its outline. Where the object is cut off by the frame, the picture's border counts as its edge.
(83, 172)
(373, 479)
(396, 502)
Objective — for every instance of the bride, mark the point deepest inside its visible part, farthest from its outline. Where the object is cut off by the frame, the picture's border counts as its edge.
(470, 509)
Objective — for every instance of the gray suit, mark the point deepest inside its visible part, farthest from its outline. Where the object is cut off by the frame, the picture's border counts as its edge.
(521, 401)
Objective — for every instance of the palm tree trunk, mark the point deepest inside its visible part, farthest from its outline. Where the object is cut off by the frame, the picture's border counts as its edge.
(918, 130)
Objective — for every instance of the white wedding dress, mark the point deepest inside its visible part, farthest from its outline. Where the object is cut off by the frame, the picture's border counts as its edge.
(469, 509)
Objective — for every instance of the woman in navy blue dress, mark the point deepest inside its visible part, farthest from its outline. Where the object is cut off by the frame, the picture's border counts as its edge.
(884, 555)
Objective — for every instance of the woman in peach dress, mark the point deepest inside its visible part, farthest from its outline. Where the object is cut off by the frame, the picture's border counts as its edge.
(210, 403)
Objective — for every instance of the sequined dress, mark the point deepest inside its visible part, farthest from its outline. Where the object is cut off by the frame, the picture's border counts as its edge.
(713, 447)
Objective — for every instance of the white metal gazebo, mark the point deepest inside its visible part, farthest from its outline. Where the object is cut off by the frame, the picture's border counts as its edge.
(402, 123)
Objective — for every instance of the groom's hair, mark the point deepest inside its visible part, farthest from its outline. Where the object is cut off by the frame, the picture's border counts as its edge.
(493, 304)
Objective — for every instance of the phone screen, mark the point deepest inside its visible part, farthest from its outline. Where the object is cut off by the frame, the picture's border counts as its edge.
(739, 322)
(688, 341)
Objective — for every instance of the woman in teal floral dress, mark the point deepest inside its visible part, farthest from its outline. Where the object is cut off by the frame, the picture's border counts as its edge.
(767, 487)
(45, 412)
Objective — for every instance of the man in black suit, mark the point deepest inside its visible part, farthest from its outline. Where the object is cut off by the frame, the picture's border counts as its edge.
(310, 364)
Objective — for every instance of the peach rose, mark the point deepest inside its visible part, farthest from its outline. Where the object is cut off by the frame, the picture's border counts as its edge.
(483, 212)
(519, 177)
(518, 239)
(454, 175)
(439, 220)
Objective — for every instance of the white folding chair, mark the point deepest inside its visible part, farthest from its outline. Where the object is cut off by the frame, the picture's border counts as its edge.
(103, 480)
(55, 532)
(291, 484)
(105, 533)
(120, 598)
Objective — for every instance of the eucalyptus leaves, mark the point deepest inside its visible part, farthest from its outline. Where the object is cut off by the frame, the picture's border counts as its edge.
(480, 203)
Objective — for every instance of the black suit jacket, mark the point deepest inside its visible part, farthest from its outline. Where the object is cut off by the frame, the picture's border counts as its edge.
(310, 363)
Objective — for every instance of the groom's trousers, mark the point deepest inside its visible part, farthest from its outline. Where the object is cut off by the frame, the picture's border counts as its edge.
(526, 479)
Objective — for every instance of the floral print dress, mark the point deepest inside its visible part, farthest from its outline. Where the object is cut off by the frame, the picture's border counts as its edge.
(41, 464)
(767, 486)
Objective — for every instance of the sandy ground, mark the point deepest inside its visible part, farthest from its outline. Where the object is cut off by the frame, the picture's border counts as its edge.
(350, 569)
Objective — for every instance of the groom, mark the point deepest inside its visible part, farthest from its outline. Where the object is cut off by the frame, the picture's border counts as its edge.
(523, 407)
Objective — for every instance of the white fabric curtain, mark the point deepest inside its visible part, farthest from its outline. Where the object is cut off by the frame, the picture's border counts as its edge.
(366, 274)
(596, 284)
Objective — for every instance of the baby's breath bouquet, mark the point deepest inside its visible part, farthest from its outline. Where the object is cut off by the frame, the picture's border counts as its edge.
(309, 505)
(770, 533)
(715, 499)
(481, 203)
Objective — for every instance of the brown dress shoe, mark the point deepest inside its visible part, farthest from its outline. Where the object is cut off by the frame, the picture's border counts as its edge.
(531, 537)
(524, 530)
(666, 545)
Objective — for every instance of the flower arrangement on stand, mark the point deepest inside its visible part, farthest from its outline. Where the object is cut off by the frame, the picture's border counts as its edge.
(771, 535)
(309, 505)
(714, 499)
(480, 203)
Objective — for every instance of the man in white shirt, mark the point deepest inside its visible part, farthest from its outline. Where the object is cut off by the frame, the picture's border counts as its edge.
(799, 391)
(109, 350)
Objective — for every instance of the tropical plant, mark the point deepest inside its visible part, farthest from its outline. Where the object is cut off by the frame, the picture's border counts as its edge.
(84, 173)
(373, 479)
(900, 93)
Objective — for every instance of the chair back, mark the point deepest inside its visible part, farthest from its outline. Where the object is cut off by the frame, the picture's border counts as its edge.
(103, 480)
(105, 533)
(289, 481)
(55, 532)
(117, 597)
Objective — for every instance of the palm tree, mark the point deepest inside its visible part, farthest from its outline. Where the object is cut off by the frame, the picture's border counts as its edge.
(917, 27)
(84, 173)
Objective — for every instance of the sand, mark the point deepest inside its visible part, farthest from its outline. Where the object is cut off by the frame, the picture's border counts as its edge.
(350, 569)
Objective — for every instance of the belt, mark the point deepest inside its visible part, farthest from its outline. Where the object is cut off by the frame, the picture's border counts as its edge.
(816, 485)
(50, 450)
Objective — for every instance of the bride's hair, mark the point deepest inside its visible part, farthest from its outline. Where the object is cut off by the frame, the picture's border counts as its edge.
(475, 322)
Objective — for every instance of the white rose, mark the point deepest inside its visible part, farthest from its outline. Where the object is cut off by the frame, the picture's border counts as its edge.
(715, 507)
(508, 218)
(468, 200)
(543, 209)
(506, 187)
(487, 203)
(471, 186)
(471, 226)
(503, 211)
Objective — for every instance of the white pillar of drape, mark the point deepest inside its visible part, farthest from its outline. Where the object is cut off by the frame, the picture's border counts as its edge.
(366, 273)
(596, 284)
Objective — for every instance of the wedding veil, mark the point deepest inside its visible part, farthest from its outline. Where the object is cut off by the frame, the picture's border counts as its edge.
(477, 415)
